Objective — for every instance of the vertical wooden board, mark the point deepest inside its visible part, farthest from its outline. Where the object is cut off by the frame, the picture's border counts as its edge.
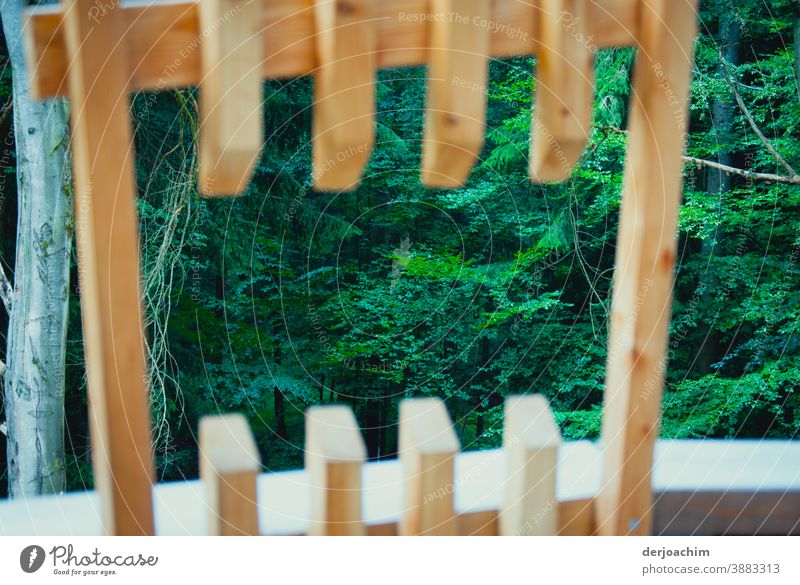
(229, 466)
(428, 446)
(231, 116)
(344, 93)
(457, 87)
(335, 452)
(236, 505)
(646, 242)
(564, 89)
(108, 252)
(531, 440)
(576, 518)
(478, 523)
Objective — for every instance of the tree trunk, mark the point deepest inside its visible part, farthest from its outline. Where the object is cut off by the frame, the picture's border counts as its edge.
(372, 424)
(280, 413)
(384, 426)
(279, 400)
(796, 32)
(718, 183)
(34, 380)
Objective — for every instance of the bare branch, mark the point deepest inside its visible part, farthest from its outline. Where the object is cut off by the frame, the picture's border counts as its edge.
(734, 83)
(6, 290)
(768, 177)
(6, 110)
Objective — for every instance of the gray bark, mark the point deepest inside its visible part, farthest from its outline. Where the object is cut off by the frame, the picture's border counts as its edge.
(35, 353)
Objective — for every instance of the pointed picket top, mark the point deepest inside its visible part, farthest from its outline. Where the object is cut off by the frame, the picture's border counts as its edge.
(231, 112)
(564, 89)
(531, 440)
(335, 452)
(344, 93)
(229, 466)
(458, 77)
(428, 446)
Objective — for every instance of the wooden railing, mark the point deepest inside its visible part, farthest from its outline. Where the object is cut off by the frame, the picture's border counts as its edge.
(536, 484)
(97, 54)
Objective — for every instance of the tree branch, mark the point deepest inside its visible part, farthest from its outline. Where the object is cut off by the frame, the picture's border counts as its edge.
(6, 110)
(767, 144)
(766, 177)
(6, 290)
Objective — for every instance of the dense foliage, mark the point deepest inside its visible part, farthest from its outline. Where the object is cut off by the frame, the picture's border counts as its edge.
(286, 297)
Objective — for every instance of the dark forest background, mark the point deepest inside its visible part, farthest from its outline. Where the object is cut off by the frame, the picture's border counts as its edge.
(286, 297)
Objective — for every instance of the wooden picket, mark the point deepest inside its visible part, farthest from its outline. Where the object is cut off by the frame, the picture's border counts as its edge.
(334, 458)
(531, 440)
(458, 74)
(229, 466)
(108, 254)
(646, 244)
(564, 90)
(428, 445)
(231, 120)
(335, 452)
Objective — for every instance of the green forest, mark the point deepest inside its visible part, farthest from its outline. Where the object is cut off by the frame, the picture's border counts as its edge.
(286, 297)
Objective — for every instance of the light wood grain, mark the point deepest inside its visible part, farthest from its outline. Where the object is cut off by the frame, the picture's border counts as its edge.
(457, 87)
(229, 466)
(531, 439)
(564, 89)
(163, 39)
(428, 446)
(231, 113)
(643, 278)
(344, 93)
(106, 228)
(335, 452)
(576, 517)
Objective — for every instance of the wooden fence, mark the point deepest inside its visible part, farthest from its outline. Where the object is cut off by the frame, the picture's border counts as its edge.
(96, 54)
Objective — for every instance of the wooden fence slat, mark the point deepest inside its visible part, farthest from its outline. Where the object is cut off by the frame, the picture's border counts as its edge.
(335, 452)
(344, 93)
(231, 115)
(229, 466)
(106, 229)
(458, 77)
(564, 89)
(531, 440)
(646, 242)
(163, 38)
(576, 517)
(428, 446)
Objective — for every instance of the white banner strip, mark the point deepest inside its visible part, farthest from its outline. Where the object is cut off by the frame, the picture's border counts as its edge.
(353, 561)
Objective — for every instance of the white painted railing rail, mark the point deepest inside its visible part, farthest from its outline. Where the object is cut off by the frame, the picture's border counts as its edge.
(700, 487)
